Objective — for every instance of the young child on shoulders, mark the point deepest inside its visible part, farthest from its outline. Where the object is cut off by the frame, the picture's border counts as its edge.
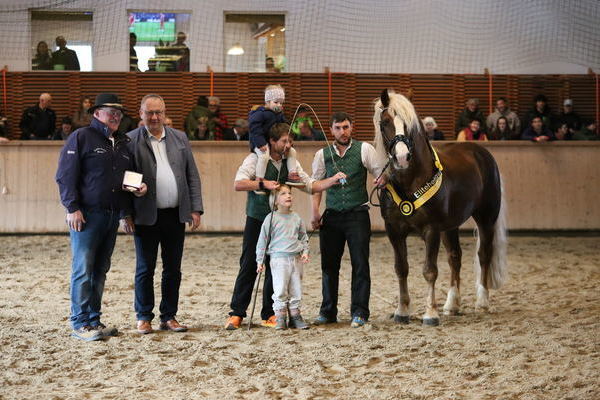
(260, 122)
(283, 237)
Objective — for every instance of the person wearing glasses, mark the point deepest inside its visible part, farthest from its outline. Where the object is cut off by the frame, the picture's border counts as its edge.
(90, 174)
(163, 156)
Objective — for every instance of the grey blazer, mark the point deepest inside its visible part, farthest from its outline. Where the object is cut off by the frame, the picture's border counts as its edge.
(184, 168)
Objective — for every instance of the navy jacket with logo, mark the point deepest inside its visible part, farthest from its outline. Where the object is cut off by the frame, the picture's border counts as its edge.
(90, 170)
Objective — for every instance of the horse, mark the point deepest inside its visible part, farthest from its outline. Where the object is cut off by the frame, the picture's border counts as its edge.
(432, 192)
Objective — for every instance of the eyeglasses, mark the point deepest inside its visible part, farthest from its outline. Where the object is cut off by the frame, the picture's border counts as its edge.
(112, 112)
(151, 113)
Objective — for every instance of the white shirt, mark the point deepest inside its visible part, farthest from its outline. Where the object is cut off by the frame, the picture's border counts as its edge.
(167, 195)
(247, 171)
(368, 157)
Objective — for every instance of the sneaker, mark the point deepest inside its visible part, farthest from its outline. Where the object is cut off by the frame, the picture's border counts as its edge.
(296, 321)
(87, 334)
(322, 320)
(269, 323)
(106, 331)
(294, 180)
(281, 323)
(233, 322)
(357, 322)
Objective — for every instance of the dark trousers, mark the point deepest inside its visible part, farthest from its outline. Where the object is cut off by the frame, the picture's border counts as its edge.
(170, 234)
(244, 283)
(353, 227)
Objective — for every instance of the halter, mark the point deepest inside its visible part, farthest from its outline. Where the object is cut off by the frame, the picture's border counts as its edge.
(391, 144)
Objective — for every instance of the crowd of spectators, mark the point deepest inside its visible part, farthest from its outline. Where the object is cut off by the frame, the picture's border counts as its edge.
(206, 121)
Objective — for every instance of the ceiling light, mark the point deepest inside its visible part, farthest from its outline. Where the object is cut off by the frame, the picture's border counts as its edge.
(235, 50)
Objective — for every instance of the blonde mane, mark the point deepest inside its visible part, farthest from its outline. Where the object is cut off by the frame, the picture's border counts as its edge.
(400, 107)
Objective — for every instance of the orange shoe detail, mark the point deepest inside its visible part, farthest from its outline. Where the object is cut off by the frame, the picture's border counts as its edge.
(233, 322)
(269, 323)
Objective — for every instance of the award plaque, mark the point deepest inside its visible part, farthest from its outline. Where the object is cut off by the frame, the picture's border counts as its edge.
(132, 181)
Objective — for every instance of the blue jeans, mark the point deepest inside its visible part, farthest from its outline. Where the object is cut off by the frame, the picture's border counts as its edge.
(92, 249)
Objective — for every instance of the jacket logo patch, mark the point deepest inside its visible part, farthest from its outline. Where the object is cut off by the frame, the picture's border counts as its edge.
(70, 152)
(99, 150)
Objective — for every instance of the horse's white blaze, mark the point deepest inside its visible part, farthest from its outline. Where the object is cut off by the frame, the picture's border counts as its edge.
(483, 298)
(401, 151)
(452, 305)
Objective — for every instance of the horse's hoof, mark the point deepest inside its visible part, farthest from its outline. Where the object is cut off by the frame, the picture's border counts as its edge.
(451, 312)
(401, 319)
(431, 321)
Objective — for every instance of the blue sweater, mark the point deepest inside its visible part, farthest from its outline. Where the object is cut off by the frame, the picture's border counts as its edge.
(260, 122)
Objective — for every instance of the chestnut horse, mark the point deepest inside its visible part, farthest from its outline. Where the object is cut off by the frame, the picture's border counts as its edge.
(432, 192)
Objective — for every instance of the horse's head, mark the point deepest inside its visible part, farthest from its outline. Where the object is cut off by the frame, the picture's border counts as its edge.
(395, 123)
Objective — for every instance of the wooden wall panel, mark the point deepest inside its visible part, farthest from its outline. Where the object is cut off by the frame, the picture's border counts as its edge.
(442, 96)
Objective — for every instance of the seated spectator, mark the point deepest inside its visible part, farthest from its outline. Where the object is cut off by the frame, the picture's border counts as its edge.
(308, 133)
(472, 132)
(537, 132)
(3, 129)
(569, 117)
(202, 132)
(217, 121)
(184, 52)
(133, 57)
(42, 59)
(82, 117)
(270, 65)
(502, 110)
(588, 132)
(39, 121)
(66, 128)
(502, 131)
(302, 116)
(431, 129)
(64, 58)
(561, 132)
(540, 109)
(127, 124)
(470, 113)
(238, 132)
(199, 110)
(168, 122)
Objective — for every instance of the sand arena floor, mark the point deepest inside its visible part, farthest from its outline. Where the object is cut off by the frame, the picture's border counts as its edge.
(541, 339)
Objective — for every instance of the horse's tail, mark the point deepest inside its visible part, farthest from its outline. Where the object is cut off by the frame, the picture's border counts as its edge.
(498, 272)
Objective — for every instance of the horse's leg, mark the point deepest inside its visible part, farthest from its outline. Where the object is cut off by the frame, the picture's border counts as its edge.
(398, 240)
(484, 253)
(451, 242)
(430, 272)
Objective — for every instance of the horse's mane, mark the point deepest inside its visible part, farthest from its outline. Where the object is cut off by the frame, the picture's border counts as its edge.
(399, 106)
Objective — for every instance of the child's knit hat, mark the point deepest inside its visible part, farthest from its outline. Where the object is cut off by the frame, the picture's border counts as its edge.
(274, 92)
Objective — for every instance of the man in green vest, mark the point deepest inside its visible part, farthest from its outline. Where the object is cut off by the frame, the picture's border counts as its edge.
(257, 208)
(346, 218)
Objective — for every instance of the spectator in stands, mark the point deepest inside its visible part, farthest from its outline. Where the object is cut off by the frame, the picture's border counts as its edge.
(168, 122)
(309, 133)
(472, 132)
(64, 58)
(3, 129)
(82, 117)
(502, 130)
(431, 129)
(238, 132)
(202, 132)
(502, 110)
(184, 63)
(561, 132)
(199, 110)
(270, 65)
(133, 58)
(39, 121)
(470, 113)
(217, 121)
(303, 115)
(569, 116)
(588, 132)
(127, 124)
(537, 131)
(42, 59)
(66, 128)
(540, 109)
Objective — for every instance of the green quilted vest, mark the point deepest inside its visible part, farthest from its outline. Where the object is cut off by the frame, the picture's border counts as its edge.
(354, 192)
(257, 206)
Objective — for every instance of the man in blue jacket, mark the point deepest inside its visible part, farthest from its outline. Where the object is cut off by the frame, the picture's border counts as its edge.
(90, 175)
(164, 156)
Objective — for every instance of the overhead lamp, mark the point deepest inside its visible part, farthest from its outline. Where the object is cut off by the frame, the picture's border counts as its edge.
(235, 50)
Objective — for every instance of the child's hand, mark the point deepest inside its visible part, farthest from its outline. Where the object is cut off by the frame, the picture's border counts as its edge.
(260, 267)
(304, 258)
(263, 148)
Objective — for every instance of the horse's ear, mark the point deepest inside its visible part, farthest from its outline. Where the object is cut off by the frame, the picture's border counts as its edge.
(385, 98)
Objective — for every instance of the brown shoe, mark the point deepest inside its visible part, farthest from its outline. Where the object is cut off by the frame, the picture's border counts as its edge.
(173, 325)
(144, 327)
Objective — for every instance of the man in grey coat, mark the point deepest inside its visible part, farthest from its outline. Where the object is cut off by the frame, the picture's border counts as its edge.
(164, 157)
